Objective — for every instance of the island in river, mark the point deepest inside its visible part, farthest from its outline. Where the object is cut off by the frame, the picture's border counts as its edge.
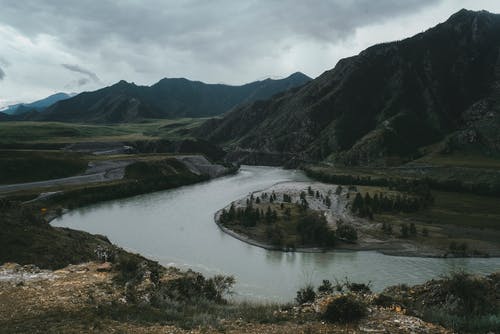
(316, 217)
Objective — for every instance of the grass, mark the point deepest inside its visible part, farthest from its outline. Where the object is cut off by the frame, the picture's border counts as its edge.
(26, 239)
(199, 314)
(453, 208)
(28, 166)
(469, 159)
(465, 210)
(55, 132)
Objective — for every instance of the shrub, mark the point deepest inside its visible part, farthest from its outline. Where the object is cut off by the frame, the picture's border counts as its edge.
(326, 287)
(358, 287)
(473, 295)
(348, 232)
(305, 295)
(128, 267)
(383, 300)
(344, 309)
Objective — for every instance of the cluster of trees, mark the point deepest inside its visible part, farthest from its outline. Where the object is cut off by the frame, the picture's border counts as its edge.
(248, 216)
(265, 196)
(419, 186)
(346, 232)
(406, 231)
(366, 206)
(313, 229)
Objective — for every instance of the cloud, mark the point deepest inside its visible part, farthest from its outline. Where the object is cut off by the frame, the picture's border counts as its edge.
(4, 61)
(79, 69)
(2, 74)
(219, 41)
(82, 81)
(220, 36)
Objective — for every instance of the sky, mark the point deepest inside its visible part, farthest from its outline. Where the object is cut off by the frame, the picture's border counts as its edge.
(49, 46)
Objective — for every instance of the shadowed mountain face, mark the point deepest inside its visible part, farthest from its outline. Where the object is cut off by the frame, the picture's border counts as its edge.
(389, 101)
(169, 98)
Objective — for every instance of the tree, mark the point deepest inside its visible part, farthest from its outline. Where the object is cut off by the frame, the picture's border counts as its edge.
(404, 231)
(328, 202)
(269, 215)
(232, 213)
(413, 229)
(338, 191)
(358, 203)
(347, 232)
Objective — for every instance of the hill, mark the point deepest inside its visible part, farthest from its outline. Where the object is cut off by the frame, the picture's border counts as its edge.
(168, 98)
(385, 105)
(39, 105)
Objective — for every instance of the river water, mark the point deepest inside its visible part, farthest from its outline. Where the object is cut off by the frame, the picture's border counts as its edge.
(176, 227)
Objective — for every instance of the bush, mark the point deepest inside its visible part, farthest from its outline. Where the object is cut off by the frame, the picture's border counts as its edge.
(347, 232)
(358, 287)
(469, 295)
(383, 300)
(128, 268)
(326, 287)
(344, 309)
(305, 295)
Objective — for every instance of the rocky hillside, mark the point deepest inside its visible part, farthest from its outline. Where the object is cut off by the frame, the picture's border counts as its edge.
(385, 104)
(168, 98)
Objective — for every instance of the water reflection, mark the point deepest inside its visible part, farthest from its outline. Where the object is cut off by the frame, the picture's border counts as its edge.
(176, 227)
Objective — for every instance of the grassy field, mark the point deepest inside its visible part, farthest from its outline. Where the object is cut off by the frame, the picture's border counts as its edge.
(29, 166)
(466, 210)
(452, 208)
(466, 159)
(54, 132)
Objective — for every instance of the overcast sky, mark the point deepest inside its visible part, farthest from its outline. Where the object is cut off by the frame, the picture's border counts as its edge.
(72, 46)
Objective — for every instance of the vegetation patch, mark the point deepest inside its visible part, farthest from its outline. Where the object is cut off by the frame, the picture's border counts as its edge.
(29, 166)
(279, 222)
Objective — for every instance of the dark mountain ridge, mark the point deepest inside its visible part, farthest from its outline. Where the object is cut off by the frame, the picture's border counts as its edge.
(391, 100)
(168, 98)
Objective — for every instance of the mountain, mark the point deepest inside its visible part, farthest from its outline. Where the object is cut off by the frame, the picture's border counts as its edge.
(168, 98)
(37, 105)
(384, 105)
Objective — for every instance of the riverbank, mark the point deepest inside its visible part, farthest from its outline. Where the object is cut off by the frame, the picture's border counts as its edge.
(370, 235)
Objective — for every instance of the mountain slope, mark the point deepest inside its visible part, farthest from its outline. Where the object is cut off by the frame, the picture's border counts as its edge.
(37, 105)
(125, 102)
(389, 101)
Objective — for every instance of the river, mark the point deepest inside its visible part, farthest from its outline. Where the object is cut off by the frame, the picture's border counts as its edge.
(176, 227)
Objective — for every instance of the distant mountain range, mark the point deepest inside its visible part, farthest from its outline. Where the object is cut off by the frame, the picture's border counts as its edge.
(392, 100)
(168, 98)
(37, 105)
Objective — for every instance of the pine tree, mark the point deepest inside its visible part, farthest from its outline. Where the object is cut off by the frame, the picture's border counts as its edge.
(413, 229)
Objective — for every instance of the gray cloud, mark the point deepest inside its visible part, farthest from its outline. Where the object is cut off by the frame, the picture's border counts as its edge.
(218, 32)
(79, 69)
(4, 61)
(220, 41)
(2, 74)
(82, 82)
